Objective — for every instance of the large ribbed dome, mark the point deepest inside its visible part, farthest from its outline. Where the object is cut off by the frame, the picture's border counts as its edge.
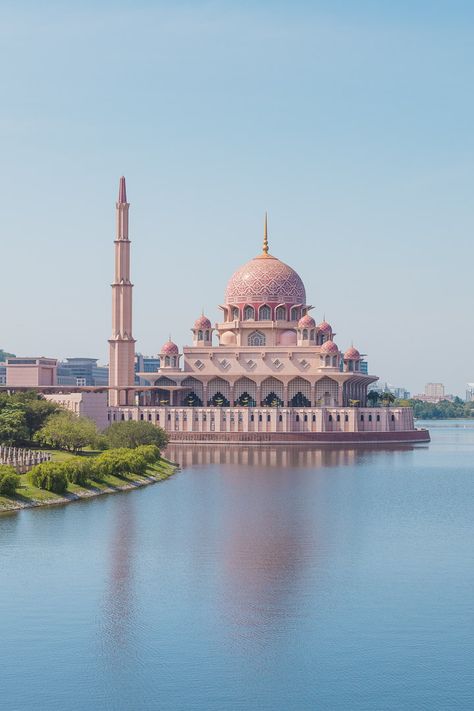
(265, 279)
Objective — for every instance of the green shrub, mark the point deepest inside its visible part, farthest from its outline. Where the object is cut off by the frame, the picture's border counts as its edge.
(50, 476)
(150, 452)
(9, 480)
(119, 462)
(133, 433)
(78, 470)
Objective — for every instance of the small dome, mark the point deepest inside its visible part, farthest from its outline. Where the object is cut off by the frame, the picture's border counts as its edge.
(288, 338)
(306, 321)
(324, 327)
(228, 339)
(329, 348)
(352, 354)
(170, 348)
(202, 322)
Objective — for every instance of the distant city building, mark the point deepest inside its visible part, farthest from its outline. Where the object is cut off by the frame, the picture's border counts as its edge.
(470, 392)
(3, 374)
(145, 364)
(435, 390)
(400, 393)
(31, 372)
(434, 393)
(82, 372)
(364, 367)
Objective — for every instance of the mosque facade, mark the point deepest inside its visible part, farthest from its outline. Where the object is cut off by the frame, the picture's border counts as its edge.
(266, 372)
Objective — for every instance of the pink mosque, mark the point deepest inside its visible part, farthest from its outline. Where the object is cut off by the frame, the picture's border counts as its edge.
(267, 372)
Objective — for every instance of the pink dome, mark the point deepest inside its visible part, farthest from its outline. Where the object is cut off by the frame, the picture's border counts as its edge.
(288, 338)
(306, 321)
(329, 348)
(324, 327)
(169, 348)
(202, 322)
(228, 339)
(265, 279)
(352, 354)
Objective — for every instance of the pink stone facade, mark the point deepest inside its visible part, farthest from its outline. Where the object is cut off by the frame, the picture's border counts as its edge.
(84, 404)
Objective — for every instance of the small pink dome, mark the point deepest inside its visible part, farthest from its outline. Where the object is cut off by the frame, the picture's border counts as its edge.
(306, 321)
(169, 348)
(228, 339)
(202, 322)
(288, 338)
(324, 327)
(352, 354)
(329, 348)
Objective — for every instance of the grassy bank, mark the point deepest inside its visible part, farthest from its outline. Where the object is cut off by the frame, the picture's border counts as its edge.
(28, 495)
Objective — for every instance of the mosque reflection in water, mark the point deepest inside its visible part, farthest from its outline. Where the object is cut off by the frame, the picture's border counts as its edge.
(271, 456)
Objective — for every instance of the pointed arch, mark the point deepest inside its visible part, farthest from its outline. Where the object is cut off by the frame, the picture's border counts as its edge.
(281, 313)
(299, 392)
(264, 313)
(218, 392)
(249, 313)
(327, 391)
(271, 392)
(256, 338)
(245, 392)
(193, 395)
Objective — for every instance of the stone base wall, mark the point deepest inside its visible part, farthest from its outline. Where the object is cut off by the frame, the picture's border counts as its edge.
(221, 424)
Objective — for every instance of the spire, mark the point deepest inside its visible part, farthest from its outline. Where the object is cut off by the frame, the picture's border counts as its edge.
(122, 196)
(265, 236)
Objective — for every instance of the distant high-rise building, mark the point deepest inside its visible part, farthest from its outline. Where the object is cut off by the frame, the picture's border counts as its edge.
(81, 372)
(470, 392)
(434, 390)
(145, 364)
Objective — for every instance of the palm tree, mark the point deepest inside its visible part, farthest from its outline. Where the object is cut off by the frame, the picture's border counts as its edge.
(387, 398)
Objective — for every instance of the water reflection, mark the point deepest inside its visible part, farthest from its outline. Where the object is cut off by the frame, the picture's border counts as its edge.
(303, 456)
(119, 608)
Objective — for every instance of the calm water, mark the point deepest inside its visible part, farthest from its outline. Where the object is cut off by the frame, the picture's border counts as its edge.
(273, 579)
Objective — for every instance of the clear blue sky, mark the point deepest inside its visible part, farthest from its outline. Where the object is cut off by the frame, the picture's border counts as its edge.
(351, 122)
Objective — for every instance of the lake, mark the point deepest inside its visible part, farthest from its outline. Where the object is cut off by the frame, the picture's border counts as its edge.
(269, 578)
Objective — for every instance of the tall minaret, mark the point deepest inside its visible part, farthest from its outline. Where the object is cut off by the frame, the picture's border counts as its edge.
(122, 343)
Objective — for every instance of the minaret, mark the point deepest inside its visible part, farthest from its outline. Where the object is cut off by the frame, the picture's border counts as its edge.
(122, 343)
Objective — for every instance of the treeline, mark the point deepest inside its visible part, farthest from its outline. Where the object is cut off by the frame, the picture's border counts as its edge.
(29, 419)
(443, 410)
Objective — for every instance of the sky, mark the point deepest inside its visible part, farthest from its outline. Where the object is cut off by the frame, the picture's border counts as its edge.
(350, 122)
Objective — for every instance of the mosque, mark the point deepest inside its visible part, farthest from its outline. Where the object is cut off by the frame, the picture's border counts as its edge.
(267, 372)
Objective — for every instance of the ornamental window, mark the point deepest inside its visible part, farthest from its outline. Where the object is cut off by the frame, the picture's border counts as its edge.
(280, 313)
(265, 313)
(294, 314)
(249, 313)
(235, 313)
(305, 334)
(256, 338)
(199, 335)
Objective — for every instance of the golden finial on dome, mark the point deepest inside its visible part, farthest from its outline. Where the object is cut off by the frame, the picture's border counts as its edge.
(265, 236)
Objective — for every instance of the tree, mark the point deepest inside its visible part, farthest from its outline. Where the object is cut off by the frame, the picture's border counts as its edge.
(67, 431)
(133, 433)
(34, 407)
(387, 398)
(13, 429)
(9, 480)
(373, 398)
